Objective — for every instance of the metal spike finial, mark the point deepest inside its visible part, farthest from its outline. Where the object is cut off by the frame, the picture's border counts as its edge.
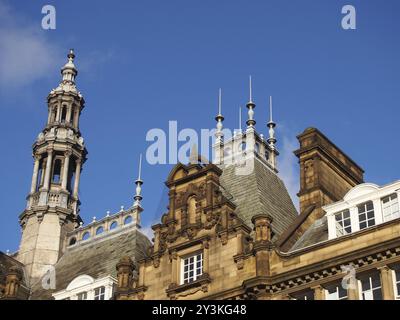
(219, 118)
(271, 125)
(250, 105)
(138, 196)
(250, 90)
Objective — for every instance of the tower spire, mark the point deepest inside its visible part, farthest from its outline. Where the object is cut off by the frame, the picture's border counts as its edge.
(138, 196)
(59, 153)
(271, 125)
(219, 118)
(250, 105)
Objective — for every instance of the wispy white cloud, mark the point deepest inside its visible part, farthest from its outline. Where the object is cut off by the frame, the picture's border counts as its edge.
(147, 231)
(288, 167)
(26, 55)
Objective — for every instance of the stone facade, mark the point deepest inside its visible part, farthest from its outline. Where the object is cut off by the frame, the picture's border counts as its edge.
(231, 230)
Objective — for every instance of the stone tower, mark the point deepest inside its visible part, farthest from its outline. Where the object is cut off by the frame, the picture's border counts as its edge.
(53, 201)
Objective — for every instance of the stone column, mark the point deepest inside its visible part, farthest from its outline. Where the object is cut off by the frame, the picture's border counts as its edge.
(49, 163)
(77, 177)
(69, 112)
(352, 292)
(172, 195)
(387, 283)
(319, 292)
(35, 173)
(76, 118)
(262, 243)
(206, 256)
(65, 170)
(175, 268)
(58, 113)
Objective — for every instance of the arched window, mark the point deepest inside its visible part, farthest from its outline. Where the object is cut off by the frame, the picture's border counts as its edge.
(86, 236)
(266, 155)
(242, 146)
(63, 114)
(227, 152)
(113, 225)
(39, 176)
(99, 230)
(72, 241)
(128, 220)
(57, 171)
(191, 209)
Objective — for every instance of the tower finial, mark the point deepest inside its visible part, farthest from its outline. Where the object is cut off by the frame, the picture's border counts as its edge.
(219, 118)
(271, 125)
(250, 105)
(270, 108)
(250, 90)
(138, 196)
(71, 55)
(69, 70)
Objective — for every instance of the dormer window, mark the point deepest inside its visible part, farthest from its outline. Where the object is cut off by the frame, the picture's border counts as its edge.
(191, 268)
(366, 215)
(343, 223)
(99, 293)
(364, 206)
(390, 207)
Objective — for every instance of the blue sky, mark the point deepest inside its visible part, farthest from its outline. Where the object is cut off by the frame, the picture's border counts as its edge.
(144, 63)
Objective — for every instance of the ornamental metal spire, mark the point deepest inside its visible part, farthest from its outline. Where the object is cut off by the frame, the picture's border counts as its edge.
(69, 70)
(138, 196)
(271, 125)
(250, 105)
(219, 118)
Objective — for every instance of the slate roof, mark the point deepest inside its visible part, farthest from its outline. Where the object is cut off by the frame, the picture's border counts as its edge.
(318, 232)
(97, 258)
(261, 191)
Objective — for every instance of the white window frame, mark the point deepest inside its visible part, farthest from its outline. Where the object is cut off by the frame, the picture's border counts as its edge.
(393, 214)
(340, 224)
(371, 289)
(82, 295)
(396, 281)
(197, 257)
(367, 220)
(100, 294)
(302, 295)
(335, 295)
(86, 283)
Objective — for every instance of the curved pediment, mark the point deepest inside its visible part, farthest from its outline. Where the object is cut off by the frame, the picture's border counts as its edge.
(80, 281)
(178, 172)
(361, 190)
